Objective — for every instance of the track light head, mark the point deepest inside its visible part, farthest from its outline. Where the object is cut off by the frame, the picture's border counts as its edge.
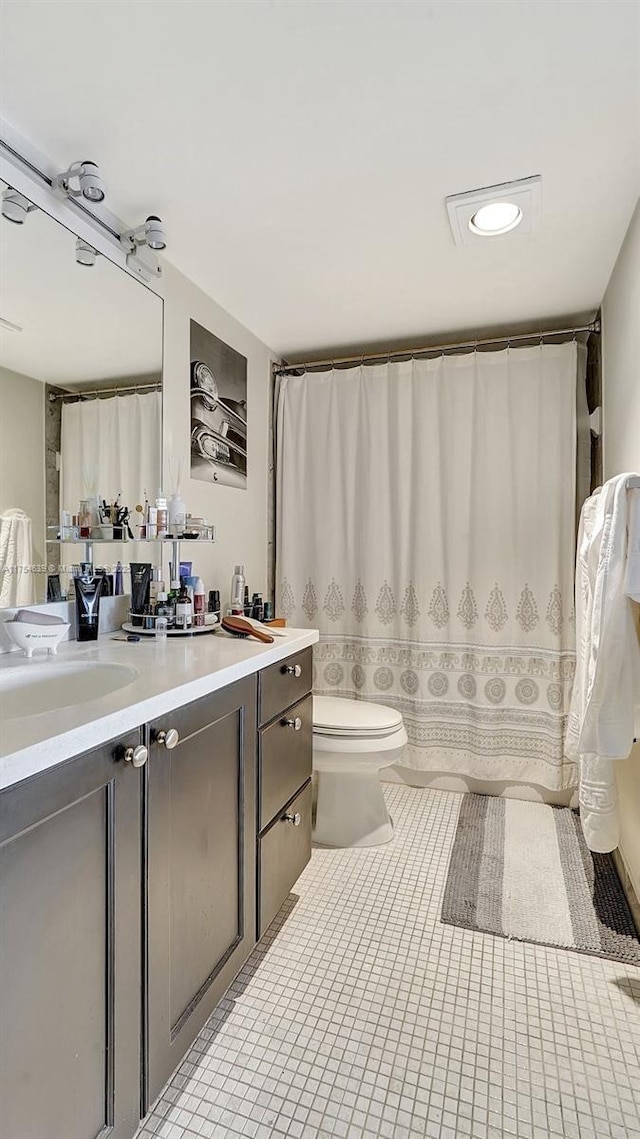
(151, 233)
(85, 253)
(90, 181)
(15, 206)
(154, 233)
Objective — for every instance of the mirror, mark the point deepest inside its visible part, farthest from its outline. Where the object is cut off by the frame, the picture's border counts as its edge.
(80, 401)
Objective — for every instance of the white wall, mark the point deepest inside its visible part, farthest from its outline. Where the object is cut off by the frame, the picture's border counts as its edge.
(22, 452)
(621, 439)
(240, 516)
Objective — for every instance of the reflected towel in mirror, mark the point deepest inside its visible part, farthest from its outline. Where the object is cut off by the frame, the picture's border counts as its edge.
(17, 581)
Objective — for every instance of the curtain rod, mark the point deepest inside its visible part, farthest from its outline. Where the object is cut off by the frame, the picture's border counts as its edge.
(303, 366)
(95, 393)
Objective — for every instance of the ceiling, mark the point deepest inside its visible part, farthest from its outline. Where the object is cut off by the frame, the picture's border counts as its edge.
(300, 151)
(79, 325)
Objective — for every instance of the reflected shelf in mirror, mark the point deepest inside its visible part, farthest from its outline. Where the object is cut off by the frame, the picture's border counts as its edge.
(128, 541)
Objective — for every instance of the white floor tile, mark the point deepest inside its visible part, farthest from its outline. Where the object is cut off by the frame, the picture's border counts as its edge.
(361, 1016)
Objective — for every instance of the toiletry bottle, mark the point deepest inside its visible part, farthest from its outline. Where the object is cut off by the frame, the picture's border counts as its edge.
(177, 515)
(184, 612)
(163, 609)
(157, 585)
(85, 519)
(88, 587)
(237, 591)
(172, 597)
(256, 607)
(119, 581)
(152, 523)
(140, 590)
(198, 603)
(161, 515)
(247, 603)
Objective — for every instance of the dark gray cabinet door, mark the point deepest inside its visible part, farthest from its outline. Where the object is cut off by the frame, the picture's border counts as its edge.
(200, 840)
(70, 950)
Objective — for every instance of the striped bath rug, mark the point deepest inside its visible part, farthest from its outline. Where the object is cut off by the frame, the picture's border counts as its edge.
(523, 870)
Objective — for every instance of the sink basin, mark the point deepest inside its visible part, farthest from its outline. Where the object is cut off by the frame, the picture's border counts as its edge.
(30, 689)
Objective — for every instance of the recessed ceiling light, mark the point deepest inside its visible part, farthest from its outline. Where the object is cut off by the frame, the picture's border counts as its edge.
(497, 217)
(495, 211)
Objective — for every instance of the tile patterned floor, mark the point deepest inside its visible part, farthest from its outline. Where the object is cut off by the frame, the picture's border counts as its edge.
(361, 1016)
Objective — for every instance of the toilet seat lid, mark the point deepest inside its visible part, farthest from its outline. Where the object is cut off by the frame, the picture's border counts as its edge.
(333, 715)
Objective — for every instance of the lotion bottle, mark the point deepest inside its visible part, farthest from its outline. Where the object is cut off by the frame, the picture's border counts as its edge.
(198, 603)
(237, 590)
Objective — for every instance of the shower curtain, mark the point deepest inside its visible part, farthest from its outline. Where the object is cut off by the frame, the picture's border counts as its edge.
(111, 445)
(426, 525)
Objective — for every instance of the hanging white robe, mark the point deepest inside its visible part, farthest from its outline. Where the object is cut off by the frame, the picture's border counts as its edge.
(607, 681)
(17, 581)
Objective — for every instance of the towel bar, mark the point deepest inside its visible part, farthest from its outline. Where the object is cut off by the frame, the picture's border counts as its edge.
(633, 483)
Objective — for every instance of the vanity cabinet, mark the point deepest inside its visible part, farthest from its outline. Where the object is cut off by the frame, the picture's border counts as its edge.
(135, 880)
(70, 949)
(284, 780)
(200, 857)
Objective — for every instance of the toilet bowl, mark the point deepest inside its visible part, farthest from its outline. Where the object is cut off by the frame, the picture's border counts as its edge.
(352, 741)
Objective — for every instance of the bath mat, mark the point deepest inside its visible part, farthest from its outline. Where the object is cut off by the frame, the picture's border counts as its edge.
(523, 870)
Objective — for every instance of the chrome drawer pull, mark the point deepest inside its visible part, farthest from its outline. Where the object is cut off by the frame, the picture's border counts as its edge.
(170, 738)
(138, 756)
(295, 820)
(295, 724)
(293, 670)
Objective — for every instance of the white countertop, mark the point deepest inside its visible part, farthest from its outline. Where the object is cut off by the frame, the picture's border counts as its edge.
(169, 675)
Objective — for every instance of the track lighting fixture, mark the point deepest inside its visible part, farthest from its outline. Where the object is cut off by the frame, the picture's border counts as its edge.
(15, 206)
(90, 181)
(151, 234)
(85, 253)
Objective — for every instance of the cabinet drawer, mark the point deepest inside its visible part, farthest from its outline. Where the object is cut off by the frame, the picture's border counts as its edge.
(283, 853)
(285, 758)
(280, 686)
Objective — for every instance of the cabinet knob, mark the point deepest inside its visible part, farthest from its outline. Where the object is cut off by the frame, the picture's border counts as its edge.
(138, 756)
(295, 820)
(293, 670)
(295, 724)
(170, 738)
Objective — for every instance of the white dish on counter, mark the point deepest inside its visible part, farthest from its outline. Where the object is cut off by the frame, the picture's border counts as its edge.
(36, 638)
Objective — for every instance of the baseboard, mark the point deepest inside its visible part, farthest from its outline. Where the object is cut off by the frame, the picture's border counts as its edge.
(628, 887)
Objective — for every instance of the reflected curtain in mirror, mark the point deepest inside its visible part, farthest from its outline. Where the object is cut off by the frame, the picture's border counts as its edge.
(111, 446)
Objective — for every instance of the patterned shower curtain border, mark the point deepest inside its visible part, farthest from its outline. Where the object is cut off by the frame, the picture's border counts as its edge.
(435, 606)
(466, 708)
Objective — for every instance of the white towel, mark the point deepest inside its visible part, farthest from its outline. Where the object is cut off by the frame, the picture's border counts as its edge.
(607, 682)
(632, 575)
(17, 581)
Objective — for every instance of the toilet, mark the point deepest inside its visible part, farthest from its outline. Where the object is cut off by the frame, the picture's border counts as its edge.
(352, 741)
